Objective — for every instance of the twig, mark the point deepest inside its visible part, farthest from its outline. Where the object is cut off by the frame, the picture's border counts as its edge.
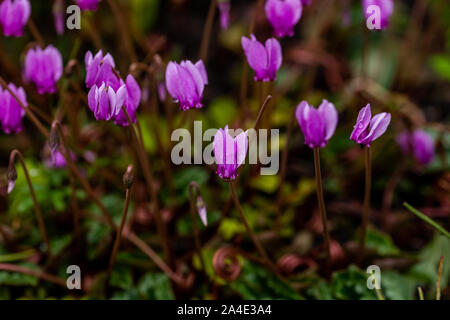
(38, 274)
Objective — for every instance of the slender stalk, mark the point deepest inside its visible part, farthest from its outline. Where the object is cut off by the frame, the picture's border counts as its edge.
(112, 259)
(438, 282)
(35, 32)
(193, 185)
(320, 199)
(153, 194)
(419, 289)
(427, 220)
(366, 206)
(28, 111)
(133, 238)
(255, 240)
(38, 274)
(207, 31)
(264, 104)
(123, 29)
(16, 153)
(73, 168)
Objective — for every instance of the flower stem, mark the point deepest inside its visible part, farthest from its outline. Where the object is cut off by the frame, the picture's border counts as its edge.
(35, 32)
(35, 273)
(366, 206)
(193, 185)
(419, 289)
(16, 153)
(438, 282)
(112, 259)
(207, 31)
(320, 199)
(255, 240)
(153, 194)
(73, 168)
(264, 104)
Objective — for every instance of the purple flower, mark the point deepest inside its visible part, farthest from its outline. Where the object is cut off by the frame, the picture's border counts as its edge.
(14, 15)
(229, 152)
(59, 15)
(264, 60)
(11, 113)
(88, 4)
(419, 143)
(386, 10)
(44, 68)
(105, 102)
(224, 11)
(132, 100)
(185, 83)
(368, 129)
(317, 125)
(99, 69)
(283, 15)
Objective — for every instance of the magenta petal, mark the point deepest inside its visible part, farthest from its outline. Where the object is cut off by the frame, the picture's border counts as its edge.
(173, 81)
(242, 146)
(201, 68)
(423, 146)
(362, 122)
(274, 57)
(256, 56)
(133, 93)
(315, 128)
(299, 114)
(330, 116)
(378, 126)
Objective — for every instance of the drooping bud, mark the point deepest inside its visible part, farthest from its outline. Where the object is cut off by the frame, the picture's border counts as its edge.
(201, 210)
(54, 139)
(128, 177)
(12, 176)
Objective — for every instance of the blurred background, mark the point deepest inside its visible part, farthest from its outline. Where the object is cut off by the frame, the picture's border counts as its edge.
(404, 70)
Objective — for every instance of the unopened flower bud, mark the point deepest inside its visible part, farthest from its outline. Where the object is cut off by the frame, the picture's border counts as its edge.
(201, 209)
(12, 177)
(128, 177)
(54, 139)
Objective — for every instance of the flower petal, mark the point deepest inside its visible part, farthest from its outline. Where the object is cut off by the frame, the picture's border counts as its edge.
(330, 117)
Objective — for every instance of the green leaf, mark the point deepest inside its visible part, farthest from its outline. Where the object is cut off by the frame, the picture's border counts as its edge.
(441, 65)
(351, 284)
(395, 286)
(121, 277)
(256, 283)
(381, 243)
(155, 286)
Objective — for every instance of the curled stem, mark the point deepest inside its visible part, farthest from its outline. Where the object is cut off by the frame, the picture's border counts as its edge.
(261, 111)
(255, 240)
(16, 153)
(194, 186)
(366, 206)
(320, 199)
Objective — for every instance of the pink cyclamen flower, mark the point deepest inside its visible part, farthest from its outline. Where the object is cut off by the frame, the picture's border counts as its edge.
(99, 69)
(131, 103)
(386, 10)
(224, 12)
(105, 102)
(318, 125)
(185, 82)
(229, 152)
(283, 15)
(59, 15)
(44, 68)
(14, 15)
(11, 113)
(265, 60)
(88, 4)
(367, 129)
(419, 143)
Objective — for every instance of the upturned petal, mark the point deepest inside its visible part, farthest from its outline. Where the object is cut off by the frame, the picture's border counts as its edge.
(256, 56)
(362, 122)
(377, 127)
(330, 117)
